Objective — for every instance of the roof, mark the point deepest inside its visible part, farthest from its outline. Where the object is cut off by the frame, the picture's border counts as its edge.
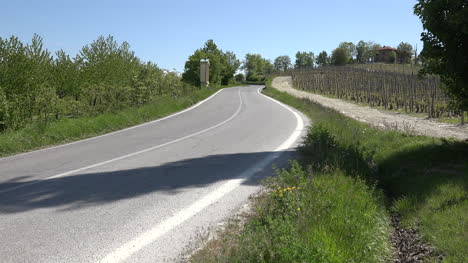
(387, 48)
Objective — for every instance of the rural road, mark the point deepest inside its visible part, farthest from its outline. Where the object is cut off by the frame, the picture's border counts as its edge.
(143, 194)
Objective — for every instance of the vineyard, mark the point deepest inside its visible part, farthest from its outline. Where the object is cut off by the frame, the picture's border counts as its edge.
(393, 87)
(105, 76)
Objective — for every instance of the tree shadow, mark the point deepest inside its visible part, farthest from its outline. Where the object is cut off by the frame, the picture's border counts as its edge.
(91, 189)
(421, 170)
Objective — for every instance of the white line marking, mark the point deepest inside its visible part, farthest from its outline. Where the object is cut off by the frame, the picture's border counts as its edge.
(131, 154)
(107, 134)
(128, 249)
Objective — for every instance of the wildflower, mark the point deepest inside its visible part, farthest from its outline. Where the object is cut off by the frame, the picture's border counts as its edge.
(298, 209)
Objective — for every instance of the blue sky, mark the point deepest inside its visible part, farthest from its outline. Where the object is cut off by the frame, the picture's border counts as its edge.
(167, 32)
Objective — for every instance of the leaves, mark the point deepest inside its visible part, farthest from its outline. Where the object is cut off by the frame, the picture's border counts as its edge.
(104, 76)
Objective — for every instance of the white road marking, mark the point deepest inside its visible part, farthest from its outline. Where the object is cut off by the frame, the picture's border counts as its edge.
(119, 131)
(128, 249)
(131, 154)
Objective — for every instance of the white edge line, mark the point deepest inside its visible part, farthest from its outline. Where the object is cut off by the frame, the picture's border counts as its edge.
(114, 132)
(133, 246)
(127, 155)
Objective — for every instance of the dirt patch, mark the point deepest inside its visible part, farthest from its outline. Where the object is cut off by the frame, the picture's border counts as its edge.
(377, 118)
(409, 247)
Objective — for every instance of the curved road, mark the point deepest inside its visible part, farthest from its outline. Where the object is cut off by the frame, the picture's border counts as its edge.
(143, 194)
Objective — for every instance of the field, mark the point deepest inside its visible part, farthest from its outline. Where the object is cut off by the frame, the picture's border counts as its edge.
(392, 87)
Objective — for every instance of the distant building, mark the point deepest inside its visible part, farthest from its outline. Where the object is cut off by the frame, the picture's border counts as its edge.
(385, 55)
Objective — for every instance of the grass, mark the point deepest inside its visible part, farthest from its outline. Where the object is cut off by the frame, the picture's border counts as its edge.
(359, 175)
(300, 220)
(39, 135)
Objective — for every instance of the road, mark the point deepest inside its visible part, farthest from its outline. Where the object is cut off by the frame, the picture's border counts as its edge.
(145, 193)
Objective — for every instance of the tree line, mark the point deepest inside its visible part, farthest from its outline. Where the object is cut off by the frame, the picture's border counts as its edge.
(104, 76)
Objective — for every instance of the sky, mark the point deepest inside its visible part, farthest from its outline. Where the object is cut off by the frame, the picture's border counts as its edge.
(168, 32)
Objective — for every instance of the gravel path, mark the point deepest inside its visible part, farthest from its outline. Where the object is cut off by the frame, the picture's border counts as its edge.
(377, 118)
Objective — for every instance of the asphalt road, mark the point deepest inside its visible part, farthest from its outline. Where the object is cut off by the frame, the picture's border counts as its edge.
(146, 193)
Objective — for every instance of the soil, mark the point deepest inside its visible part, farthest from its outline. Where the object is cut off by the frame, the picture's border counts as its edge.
(378, 118)
(409, 246)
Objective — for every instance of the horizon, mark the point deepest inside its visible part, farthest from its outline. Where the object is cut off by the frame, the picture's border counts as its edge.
(270, 30)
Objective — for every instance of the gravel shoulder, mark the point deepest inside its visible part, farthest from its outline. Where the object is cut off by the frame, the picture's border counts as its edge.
(378, 118)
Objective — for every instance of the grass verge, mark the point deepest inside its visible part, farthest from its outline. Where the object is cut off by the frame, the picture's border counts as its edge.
(355, 176)
(39, 135)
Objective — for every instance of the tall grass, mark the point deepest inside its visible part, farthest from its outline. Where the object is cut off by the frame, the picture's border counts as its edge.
(330, 218)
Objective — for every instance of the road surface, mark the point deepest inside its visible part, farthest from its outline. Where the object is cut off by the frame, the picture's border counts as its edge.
(143, 194)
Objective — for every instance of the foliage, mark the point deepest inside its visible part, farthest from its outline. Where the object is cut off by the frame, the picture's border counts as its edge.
(256, 67)
(392, 57)
(282, 63)
(405, 51)
(304, 60)
(239, 77)
(445, 39)
(105, 76)
(223, 65)
(340, 56)
(365, 51)
(350, 49)
(322, 58)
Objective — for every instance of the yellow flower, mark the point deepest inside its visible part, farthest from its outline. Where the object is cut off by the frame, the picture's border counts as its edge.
(298, 209)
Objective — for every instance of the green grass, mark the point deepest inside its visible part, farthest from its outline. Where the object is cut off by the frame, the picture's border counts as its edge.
(425, 180)
(354, 177)
(39, 135)
(330, 218)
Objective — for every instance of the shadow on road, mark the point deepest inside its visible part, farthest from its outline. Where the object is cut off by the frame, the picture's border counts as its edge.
(91, 189)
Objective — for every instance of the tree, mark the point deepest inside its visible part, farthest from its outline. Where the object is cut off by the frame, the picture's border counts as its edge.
(256, 67)
(232, 64)
(445, 39)
(393, 57)
(223, 66)
(240, 77)
(351, 50)
(322, 58)
(365, 51)
(374, 50)
(104, 61)
(304, 60)
(340, 56)
(282, 63)
(405, 51)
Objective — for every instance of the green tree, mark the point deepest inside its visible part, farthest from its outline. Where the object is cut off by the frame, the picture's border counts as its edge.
(65, 75)
(340, 56)
(445, 39)
(282, 63)
(351, 50)
(322, 58)
(104, 61)
(304, 60)
(232, 65)
(240, 77)
(364, 51)
(393, 57)
(223, 66)
(405, 51)
(256, 67)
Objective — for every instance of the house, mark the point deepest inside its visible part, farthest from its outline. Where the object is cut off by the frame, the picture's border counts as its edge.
(386, 54)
